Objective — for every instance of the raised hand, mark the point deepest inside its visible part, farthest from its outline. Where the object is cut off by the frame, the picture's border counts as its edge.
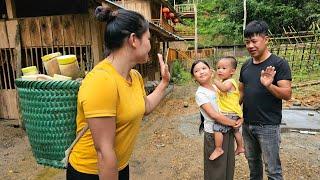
(214, 74)
(164, 69)
(267, 76)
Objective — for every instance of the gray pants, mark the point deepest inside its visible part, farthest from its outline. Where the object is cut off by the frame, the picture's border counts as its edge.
(262, 144)
(223, 167)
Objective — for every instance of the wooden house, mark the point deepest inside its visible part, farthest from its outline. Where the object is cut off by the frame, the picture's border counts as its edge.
(31, 29)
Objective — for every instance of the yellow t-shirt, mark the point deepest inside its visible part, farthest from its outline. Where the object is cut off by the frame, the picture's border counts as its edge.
(104, 93)
(229, 102)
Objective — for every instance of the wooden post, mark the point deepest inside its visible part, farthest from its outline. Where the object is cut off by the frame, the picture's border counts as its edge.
(244, 17)
(18, 69)
(195, 31)
(11, 9)
(18, 49)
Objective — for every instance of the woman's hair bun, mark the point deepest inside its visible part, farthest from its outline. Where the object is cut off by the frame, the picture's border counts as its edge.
(103, 14)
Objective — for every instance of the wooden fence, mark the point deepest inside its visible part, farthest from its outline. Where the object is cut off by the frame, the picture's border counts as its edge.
(210, 54)
(303, 58)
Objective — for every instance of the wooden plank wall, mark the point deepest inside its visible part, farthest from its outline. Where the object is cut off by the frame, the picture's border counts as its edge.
(49, 31)
(97, 45)
(68, 34)
(4, 43)
(173, 55)
(8, 64)
(12, 28)
(8, 105)
(140, 6)
(155, 9)
(8, 69)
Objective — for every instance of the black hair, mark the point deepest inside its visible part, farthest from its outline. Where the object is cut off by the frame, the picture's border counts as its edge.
(232, 59)
(256, 27)
(201, 126)
(195, 63)
(119, 25)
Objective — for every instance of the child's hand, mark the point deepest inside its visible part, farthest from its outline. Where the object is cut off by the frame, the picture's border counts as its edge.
(213, 75)
(238, 123)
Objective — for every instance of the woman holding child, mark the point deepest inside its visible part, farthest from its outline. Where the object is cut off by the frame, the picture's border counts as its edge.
(220, 167)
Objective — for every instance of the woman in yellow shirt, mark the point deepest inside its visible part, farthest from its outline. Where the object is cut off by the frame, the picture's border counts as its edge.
(112, 99)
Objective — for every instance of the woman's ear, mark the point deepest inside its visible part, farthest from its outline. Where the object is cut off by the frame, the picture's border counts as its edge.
(132, 40)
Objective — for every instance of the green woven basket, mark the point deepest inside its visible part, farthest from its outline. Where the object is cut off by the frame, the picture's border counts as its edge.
(49, 109)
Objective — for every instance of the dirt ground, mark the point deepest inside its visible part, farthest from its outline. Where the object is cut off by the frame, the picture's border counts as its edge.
(169, 145)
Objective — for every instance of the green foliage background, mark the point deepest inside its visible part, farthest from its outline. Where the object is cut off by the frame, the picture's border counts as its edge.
(220, 21)
(179, 74)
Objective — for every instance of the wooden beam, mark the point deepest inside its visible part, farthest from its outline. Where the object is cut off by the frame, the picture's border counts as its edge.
(11, 9)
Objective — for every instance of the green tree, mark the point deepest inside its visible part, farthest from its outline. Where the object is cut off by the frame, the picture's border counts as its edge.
(220, 21)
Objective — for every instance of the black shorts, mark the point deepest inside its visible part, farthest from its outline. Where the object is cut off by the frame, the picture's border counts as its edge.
(73, 174)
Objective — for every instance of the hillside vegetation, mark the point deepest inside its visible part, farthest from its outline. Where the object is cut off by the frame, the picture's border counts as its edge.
(220, 22)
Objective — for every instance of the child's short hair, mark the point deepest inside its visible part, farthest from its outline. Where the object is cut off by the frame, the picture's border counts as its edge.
(256, 27)
(232, 59)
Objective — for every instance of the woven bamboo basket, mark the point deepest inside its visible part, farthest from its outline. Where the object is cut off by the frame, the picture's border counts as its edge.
(48, 109)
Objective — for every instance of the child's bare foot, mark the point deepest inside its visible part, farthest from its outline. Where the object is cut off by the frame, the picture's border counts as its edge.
(216, 153)
(239, 150)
